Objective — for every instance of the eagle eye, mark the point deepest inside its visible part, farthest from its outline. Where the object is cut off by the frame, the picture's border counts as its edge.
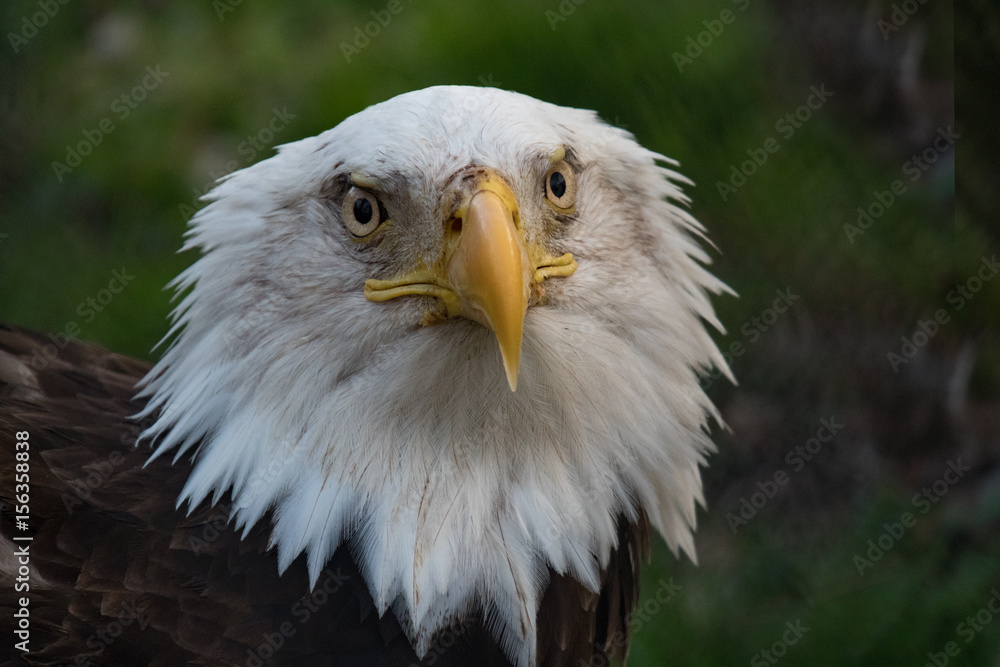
(560, 186)
(361, 212)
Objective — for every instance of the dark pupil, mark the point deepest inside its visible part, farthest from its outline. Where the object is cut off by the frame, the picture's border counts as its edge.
(557, 183)
(363, 211)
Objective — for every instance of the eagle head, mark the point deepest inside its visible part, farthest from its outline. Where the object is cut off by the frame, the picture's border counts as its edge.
(460, 334)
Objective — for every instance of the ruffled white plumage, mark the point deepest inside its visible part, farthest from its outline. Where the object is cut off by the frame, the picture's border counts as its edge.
(405, 443)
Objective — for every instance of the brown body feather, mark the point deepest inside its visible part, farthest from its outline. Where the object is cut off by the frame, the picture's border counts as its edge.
(121, 577)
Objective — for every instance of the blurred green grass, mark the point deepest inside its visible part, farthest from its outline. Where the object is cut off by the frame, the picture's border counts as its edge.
(909, 602)
(124, 207)
(226, 77)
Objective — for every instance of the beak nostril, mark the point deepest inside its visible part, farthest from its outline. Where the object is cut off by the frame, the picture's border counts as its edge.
(456, 226)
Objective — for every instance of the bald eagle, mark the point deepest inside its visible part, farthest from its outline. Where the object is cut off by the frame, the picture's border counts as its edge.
(430, 382)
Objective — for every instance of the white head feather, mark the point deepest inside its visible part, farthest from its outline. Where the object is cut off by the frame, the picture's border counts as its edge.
(358, 426)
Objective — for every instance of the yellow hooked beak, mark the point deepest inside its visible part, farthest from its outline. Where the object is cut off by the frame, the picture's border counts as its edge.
(487, 272)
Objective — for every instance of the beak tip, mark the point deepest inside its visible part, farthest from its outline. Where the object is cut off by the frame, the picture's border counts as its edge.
(511, 371)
